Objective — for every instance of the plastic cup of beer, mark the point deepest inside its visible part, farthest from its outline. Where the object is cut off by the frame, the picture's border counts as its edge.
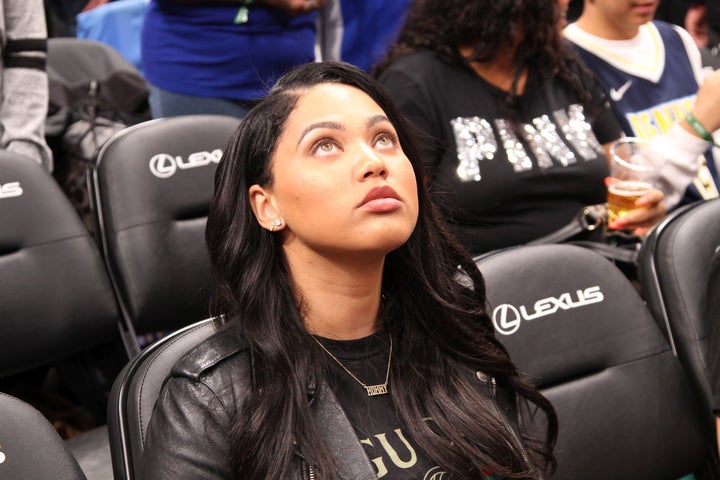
(635, 170)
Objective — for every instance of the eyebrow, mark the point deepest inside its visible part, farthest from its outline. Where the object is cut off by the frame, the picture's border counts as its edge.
(372, 121)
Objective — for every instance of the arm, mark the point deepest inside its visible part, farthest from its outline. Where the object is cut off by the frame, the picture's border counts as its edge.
(682, 144)
(639, 221)
(707, 105)
(25, 82)
(187, 435)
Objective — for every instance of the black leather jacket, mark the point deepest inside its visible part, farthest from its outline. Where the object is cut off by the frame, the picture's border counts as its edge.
(187, 435)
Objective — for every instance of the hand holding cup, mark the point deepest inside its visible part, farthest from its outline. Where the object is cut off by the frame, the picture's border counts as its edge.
(634, 201)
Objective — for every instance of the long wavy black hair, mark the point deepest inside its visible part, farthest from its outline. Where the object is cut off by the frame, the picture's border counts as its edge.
(489, 27)
(439, 325)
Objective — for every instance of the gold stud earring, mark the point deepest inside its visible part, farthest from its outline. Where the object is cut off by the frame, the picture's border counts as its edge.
(276, 224)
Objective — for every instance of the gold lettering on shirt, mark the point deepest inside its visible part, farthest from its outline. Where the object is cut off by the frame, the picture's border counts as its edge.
(378, 461)
(658, 119)
(392, 453)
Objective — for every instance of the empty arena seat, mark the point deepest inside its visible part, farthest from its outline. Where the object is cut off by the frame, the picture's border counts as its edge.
(675, 264)
(56, 298)
(151, 187)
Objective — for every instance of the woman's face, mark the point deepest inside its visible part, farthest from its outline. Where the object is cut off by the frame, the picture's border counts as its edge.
(341, 182)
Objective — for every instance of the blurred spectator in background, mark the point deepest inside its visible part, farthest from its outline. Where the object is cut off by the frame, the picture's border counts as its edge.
(360, 31)
(24, 80)
(652, 71)
(692, 15)
(515, 126)
(700, 20)
(215, 57)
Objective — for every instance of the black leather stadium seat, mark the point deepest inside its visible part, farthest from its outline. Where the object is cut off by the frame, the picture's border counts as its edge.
(151, 188)
(674, 271)
(578, 330)
(56, 298)
(30, 448)
(56, 301)
(136, 389)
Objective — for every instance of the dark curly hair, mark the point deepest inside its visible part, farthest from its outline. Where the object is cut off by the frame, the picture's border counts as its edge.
(488, 27)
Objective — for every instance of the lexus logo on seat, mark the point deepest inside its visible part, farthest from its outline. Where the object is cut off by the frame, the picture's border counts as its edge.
(11, 189)
(164, 165)
(507, 318)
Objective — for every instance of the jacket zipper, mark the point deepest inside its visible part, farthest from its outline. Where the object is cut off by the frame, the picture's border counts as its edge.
(310, 472)
(523, 452)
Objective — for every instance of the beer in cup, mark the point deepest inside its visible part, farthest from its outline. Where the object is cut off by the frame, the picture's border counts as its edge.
(635, 166)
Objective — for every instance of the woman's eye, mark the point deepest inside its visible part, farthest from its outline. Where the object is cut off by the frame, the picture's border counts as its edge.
(324, 147)
(386, 140)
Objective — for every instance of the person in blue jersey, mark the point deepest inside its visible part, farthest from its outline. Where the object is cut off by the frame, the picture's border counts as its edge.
(360, 31)
(652, 71)
(516, 127)
(355, 340)
(218, 57)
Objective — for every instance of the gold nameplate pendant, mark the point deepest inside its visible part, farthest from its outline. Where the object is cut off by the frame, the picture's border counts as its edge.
(373, 390)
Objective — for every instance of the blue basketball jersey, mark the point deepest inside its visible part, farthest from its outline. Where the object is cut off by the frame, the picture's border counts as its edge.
(647, 108)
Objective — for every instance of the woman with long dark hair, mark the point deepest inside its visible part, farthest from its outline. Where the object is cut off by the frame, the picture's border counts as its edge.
(516, 125)
(354, 340)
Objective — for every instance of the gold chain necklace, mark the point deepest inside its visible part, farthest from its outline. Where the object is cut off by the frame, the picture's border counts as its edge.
(372, 390)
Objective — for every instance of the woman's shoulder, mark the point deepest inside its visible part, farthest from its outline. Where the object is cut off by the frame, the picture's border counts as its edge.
(223, 354)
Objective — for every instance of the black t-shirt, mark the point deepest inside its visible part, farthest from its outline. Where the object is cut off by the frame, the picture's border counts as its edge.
(374, 419)
(496, 188)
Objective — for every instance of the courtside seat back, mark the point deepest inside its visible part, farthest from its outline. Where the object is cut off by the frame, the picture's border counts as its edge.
(674, 271)
(577, 329)
(151, 187)
(30, 448)
(136, 390)
(56, 297)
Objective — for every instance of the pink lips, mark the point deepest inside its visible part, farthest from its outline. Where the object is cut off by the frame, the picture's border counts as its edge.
(645, 7)
(381, 199)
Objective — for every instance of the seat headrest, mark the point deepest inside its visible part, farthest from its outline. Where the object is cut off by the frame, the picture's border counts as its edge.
(161, 169)
(153, 184)
(563, 311)
(28, 192)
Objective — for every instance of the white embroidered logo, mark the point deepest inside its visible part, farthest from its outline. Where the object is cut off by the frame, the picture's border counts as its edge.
(11, 189)
(507, 318)
(618, 94)
(164, 165)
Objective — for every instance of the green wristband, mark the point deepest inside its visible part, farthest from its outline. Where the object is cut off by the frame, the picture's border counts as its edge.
(698, 127)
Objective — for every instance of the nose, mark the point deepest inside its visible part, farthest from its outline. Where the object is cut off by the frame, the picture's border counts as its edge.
(369, 163)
